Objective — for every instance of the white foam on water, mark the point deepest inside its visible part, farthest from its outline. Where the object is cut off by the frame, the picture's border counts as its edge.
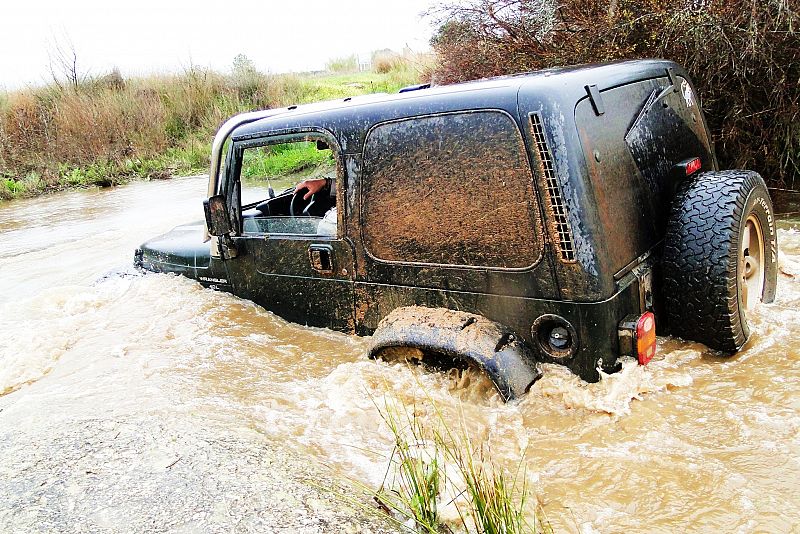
(39, 330)
(709, 440)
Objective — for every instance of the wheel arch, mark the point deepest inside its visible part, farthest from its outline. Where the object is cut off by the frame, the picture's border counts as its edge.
(467, 337)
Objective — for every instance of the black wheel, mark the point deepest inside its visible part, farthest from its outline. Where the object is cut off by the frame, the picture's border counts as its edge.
(720, 257)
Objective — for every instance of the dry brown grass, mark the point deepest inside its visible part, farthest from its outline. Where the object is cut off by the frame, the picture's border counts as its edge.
(44, 129)
(108, 129)
(386, 61)
(88, 126)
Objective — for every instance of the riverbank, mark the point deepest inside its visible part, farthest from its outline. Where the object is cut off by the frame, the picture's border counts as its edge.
(143, 475)
(108, 131)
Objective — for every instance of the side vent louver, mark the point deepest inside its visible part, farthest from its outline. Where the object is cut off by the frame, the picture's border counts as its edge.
(562, 234)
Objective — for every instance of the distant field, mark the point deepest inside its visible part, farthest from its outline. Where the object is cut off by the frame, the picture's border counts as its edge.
(109, 130)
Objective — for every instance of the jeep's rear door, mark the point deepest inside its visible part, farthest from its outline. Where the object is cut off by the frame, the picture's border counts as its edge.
(631, 150)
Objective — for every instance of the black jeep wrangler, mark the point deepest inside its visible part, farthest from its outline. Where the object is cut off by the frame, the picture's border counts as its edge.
(553, 216)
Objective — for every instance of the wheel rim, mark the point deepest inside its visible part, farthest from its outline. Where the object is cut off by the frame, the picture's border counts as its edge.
(751, 263)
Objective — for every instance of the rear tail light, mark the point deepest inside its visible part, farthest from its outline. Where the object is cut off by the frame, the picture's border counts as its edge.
(637, 337)
(646, 338)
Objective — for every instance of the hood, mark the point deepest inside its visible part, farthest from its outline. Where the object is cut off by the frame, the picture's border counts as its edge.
(179, 250)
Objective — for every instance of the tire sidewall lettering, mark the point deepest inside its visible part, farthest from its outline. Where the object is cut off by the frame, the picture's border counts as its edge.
(766, 207)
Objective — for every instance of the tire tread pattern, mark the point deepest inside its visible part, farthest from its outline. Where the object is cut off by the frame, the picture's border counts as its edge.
(701, 254)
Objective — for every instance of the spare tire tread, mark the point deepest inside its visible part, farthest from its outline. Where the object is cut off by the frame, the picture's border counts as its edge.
(701, 255)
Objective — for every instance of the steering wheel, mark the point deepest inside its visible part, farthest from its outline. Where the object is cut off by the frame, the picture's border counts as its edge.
(296, 208)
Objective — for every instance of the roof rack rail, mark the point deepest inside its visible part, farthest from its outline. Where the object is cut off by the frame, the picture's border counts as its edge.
(219, 141)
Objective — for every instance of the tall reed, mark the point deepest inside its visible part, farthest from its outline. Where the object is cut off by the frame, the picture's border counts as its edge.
(107, 129)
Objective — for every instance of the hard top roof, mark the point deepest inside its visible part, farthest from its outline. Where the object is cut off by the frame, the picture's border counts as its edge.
(564, 83)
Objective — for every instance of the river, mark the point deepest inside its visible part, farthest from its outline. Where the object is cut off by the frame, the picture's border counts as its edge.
(133, 403)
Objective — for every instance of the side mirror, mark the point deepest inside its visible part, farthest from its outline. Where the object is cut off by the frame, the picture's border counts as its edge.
(217, 220)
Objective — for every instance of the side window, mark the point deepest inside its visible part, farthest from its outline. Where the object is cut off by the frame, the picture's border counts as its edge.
(266, 174)
(452, 189)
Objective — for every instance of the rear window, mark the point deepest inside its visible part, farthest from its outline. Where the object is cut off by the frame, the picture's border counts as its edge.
(453, 189)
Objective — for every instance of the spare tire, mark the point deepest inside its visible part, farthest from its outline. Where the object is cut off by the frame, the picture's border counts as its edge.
(720, 257)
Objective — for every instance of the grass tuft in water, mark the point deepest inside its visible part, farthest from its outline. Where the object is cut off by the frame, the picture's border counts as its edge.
(411, 492)
(497, 501)
(433, 467)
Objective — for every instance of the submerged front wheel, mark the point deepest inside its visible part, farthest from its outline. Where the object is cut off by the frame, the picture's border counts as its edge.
(720, 257)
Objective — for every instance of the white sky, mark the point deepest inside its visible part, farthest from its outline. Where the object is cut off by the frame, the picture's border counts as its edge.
(156, 36)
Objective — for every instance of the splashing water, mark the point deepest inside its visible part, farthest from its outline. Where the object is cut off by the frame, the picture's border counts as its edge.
(691, 442)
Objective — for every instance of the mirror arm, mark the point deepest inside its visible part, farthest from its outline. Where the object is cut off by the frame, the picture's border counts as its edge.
(227, 248)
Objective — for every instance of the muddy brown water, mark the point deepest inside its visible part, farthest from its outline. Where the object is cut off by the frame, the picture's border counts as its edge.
(147, 403)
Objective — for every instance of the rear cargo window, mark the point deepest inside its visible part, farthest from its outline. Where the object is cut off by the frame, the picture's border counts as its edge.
(453, 189)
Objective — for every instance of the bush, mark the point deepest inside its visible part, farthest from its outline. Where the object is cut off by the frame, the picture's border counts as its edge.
(744, 57)
(342, 64)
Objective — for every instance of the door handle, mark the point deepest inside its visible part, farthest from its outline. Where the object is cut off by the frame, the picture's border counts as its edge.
(321, 258)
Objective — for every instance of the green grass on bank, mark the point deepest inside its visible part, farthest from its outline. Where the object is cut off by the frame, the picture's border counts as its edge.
(175, 161)
(284, 159)
(103, 134)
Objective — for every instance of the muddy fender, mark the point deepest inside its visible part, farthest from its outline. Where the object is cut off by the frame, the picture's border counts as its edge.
(467, 337)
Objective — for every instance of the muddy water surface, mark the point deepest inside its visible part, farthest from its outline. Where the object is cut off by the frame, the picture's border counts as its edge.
(146, 403)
